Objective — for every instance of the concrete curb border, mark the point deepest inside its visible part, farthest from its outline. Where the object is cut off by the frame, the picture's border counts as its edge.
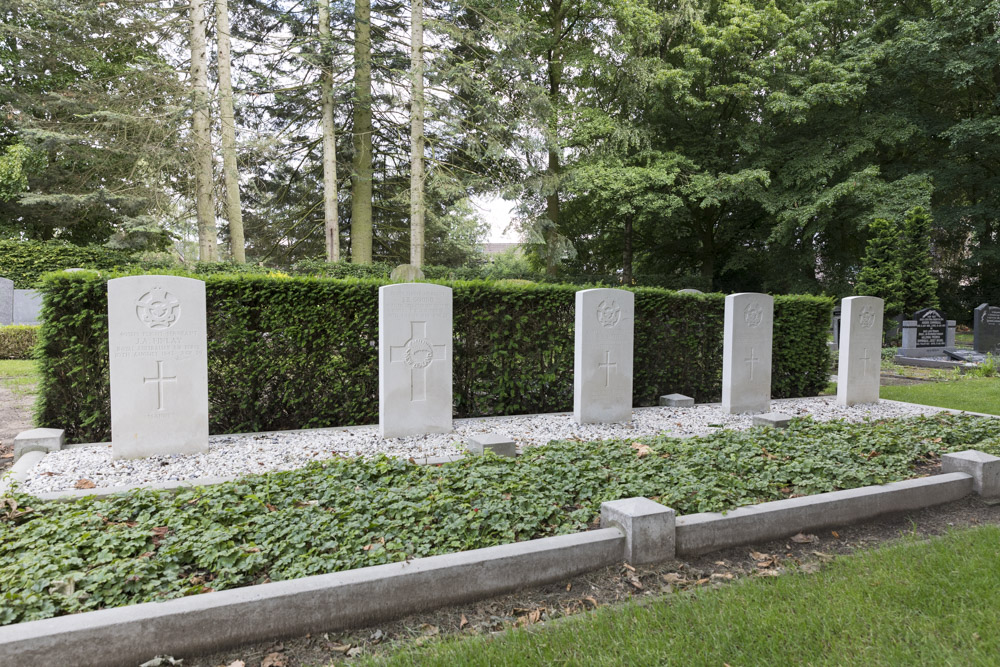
(635, 529)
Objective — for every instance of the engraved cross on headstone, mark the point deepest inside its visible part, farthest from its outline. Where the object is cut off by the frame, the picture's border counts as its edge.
(753, 361)
(159, 380)
(607, 365)
(417, 354)
(866, 359)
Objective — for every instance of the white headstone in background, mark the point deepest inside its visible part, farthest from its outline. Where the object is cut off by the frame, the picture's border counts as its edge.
(746, 353)
(859, 365)
(27, 306)
(6, 301)
(602, 368)
(159, 369)
(414, 360)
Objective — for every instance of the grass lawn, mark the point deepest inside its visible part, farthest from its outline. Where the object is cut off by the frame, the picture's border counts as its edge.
(933, 603)
(973, 394)
(20, 376)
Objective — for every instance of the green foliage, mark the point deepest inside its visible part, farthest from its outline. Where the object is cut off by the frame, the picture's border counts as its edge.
(336, 515)
(879, 275)
(919, 284)
(25, 262)
(17, 341)
(273, 340)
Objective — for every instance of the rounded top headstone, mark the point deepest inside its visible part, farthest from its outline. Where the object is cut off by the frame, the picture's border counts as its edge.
(690, 290)
(406, 273)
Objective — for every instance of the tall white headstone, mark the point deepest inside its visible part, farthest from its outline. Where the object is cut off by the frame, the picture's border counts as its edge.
(6, 301)
(414, 359)
(746, 353)
(858, 369)
(159, 370)
(602, 366)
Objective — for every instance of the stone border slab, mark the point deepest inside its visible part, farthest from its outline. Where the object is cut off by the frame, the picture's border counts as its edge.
(710, 531)
(214, 621)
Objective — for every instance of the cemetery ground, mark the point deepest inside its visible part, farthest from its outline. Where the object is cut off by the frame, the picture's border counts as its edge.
(18, 381)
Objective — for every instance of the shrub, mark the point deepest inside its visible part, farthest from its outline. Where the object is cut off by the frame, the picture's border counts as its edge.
(299, 352)
(18, 341)
(25, 262)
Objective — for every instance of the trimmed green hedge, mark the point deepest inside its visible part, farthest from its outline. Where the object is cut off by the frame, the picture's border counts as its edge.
(25, 262)
(17, 341)
(302, 352)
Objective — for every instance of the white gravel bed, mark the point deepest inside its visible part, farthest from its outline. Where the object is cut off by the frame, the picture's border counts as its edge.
(235, 455)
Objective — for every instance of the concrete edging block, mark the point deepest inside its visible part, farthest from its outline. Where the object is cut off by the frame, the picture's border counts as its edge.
(984, 468)
(648, 528)
(499, 444)
(38, 440)
(772, 419)
(213, 621)
(710, 531)
(19, 470)
(676, 401)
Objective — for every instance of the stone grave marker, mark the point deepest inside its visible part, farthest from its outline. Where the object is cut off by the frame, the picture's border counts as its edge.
(27, 306)
(414, 359)
(159, 371)
(927, 334)
(986, 329)
(860, 360)
(602, 362)
(6, 301)
(746, 353)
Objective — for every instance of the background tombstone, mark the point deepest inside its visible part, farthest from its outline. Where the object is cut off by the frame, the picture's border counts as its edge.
(746, 353)
(602, 361)
(27, 306)
(6, 301)
(986, 329)
(159, 369)
(414, 359)
(928, 334)
(835, 326)
(860, 361)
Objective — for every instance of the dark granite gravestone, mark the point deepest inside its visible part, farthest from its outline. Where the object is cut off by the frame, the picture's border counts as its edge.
(932, 328)
(986, 328)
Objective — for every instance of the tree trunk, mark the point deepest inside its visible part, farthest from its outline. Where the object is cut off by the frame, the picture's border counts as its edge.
(330, 213)
(202, 135)
(361, 177)
(417, 132)
(707, 239)
(230, 170)
(555, 72)
(627, 253)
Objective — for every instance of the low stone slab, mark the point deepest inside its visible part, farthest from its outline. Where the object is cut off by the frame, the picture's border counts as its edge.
(676, 401)
(39, 440)
(648, 528)
(773, 419)
(984, 468)
(501, 445)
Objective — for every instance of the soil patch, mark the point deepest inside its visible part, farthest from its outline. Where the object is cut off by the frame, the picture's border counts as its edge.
(15, 416)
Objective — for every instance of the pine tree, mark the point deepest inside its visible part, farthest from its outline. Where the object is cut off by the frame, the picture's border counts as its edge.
(919, 284)
(880, 274)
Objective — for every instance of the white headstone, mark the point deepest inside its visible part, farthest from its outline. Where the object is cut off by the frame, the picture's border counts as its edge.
(6, 301)
(858, 370)
(27, 306)
(414, 359)
(159, 370)
(746, 353)
(602, 367)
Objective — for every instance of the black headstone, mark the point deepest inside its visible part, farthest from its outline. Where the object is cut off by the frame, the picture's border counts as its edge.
(932, 327)
(986, 328)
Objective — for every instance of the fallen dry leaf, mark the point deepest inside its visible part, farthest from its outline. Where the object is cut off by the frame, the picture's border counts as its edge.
(237, 663)
(826, 558)
(274, 660)
(835, 534)
(673, 578)
(8, 455)
(634, 580)
(767, 573)
(463, 622)
(641, 450)
(85, 484)
(429, 630)
(354, 652)
(728, 576)
(339, 648)
(569, 586)
(804, 539)
(592, 600)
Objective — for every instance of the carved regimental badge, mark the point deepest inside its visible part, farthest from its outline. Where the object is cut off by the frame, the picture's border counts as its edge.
(419, 353)
(158, 309)
(609, 314)
(753, 315)
(866, 318)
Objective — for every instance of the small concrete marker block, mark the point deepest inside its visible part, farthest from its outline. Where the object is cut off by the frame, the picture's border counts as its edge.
(773, 419)
(676, 401)
(649, 528)
(984, 468)
(38, 440)
(499, 444)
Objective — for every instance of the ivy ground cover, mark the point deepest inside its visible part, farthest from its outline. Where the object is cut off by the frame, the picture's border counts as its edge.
(59, 558)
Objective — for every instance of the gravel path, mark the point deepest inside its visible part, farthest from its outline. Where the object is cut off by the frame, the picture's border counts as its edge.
(235, 455)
